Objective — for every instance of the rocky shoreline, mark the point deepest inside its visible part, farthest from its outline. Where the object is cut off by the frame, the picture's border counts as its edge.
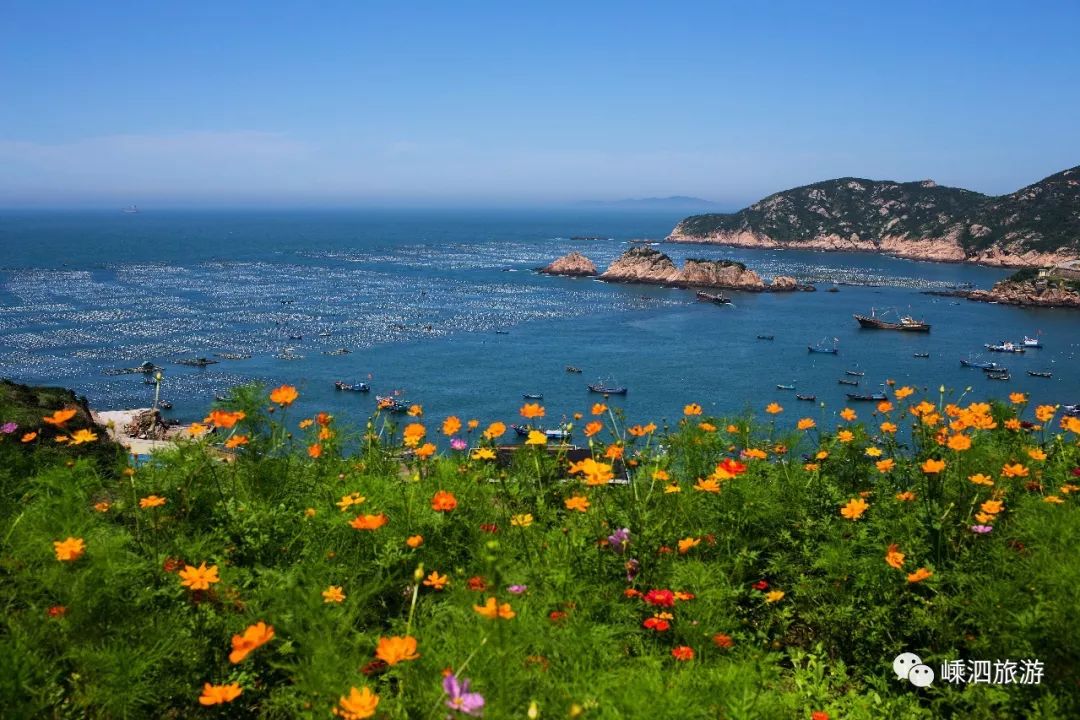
(647, 265)
(1022, 294)
(943, 249)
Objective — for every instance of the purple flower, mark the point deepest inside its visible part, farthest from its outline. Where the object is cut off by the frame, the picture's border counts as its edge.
(633, 567)
(458, 444)
(518, 589)
(9, 427)
(465, 702)
(619, 540)
(981, 529)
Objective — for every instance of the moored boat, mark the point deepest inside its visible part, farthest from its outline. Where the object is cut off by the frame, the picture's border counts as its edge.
(719, 299)
(785, 387)
(904, 322)
(351, 387)
(766, 337)
(197, 362)
(983, 364)
(871, 397)
(998, 375)
(1040, 373)
(606, 389)
(807, 398)
(854, 373)
(922, 355)
(1032, 342)
(572, 369)
(822, 347)
(848, 382)
(1004, 347)
(533, 396)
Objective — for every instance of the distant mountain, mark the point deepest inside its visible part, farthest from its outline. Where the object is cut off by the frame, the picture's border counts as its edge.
(1036, 225)
(675, 202)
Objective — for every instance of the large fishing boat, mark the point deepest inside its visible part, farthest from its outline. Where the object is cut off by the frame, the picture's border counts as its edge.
(903, 322)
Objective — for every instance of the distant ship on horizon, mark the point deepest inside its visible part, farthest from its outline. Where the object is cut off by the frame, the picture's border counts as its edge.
(131, 210)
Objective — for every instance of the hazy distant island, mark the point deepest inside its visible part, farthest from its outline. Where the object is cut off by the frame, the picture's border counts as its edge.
(674, 202)
(1038, 225)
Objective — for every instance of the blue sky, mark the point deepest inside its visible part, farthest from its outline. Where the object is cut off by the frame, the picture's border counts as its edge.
(478, 103)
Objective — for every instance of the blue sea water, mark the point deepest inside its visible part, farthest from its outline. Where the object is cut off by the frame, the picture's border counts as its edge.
(442, 308)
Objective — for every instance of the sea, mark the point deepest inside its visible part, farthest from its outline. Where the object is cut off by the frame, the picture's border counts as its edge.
(444, 308)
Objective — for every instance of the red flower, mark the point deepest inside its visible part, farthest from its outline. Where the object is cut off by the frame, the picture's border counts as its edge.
(556, 616)
(661, 598)
(477, 583)
(631, 592)
(722, 640)
(57, 611)
(657, 624)
(664, 550)
(732, 467)
(1076, 472)
(375, 667)
(819, 715)
(761, 585)
(490, 528)
(683, 653)
(173, 565)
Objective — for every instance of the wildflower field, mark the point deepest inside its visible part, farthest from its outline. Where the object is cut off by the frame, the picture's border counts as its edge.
(768, 567)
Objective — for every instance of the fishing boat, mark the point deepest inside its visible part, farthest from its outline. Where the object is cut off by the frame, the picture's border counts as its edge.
(325, 333)
(848, 382)
(572, 369)
(197, 362)
(233, 356)
(903, 322)
(765, 337)
(998, 375)
(533, 396)
(1032, 342)
(1071, 410)
(351, 387)
(983, 364)
(821, 347)
(1040, 373)
(872, 397)
(606, 389)
(807, 398)
(339, 351)
(922, 355)
(1004, 347)
(785, 387)
(710, 297)
(502, 332)
(854, 373)
(996, 369)
(390, 404)
(296, 337)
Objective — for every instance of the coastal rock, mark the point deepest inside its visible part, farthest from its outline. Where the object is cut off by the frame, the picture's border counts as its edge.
(1027, 293)
(783, 283)
(572, 264)
(647, 265)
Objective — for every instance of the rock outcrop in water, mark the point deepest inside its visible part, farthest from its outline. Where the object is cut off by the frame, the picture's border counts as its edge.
(1028, 292)
(648, 265)
(1038, 225)
(573, 264)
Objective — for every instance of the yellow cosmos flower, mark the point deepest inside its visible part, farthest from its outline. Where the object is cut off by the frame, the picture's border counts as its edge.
(687, 544)
(536, 438)
(854, 508)
(1014, 470)
(69, 550)
(932, 466)
(959, 443)
(333, 594)
(980, 479)
(848, 414)
(493, 610)
(692, 409)
(774, 596)
(774, 408)
(494, 431)
(845, 436)
(873, 452)
(707, 485)
(580, 503)
(483, 454)
(359, 705)
(806, 424)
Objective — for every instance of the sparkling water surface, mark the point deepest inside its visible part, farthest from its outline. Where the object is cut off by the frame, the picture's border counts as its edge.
(443, 308)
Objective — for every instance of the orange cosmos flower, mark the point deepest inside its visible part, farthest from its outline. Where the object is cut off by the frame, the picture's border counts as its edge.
(660, 475)
(1071, 424)
(806, 424)
(599, 409)
(425, 451)
(347, 501)
(196, 429)
(532, 410)
(29, 437)
(903, 392)
(854, 508)
(415, 411)
(707, 485)
(845, 436)
(443, 501)
(639, 430)
(325, 433)
(473, 424)
(360, 704)
(414, 541)
(254, 636)
(1017, 398)
(199, 578)
(236, 441)
(906, 496)
(688, 544)
(151, 501)
(1036, 454)
(580, 503)
(225, 419)
(284, 395)
(218, 694)
(884, 407)
(369, 522)
(451, 425)
(333, 594)
(493, 610)
(932, 466)
(494, 430)
(992, 507)
(314, 451)
(306, 423)
(614, 452)
(436, 581)
(754, 454)
(593, 428)
(888, 428)
(83, 436)
(1044, 413)
(919, 575)
(69, 550)
(594, 473)
(980, 479)
(1014, 470)
(894, 557)
(392, 650)
(848, 414)
(692, 409)
(60, 417)
(774, 408)
(1053, 499)
(413, 434)
(959, 443)
(103, 506)
(683, 653)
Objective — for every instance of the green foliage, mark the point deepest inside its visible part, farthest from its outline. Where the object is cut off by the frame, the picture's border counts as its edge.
(115, 634)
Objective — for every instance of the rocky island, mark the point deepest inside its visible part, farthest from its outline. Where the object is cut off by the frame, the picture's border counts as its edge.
(1029, 288)
(1038, 225)
(650, 266)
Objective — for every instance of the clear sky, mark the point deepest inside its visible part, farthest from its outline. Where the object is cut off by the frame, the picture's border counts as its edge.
(478, 103)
